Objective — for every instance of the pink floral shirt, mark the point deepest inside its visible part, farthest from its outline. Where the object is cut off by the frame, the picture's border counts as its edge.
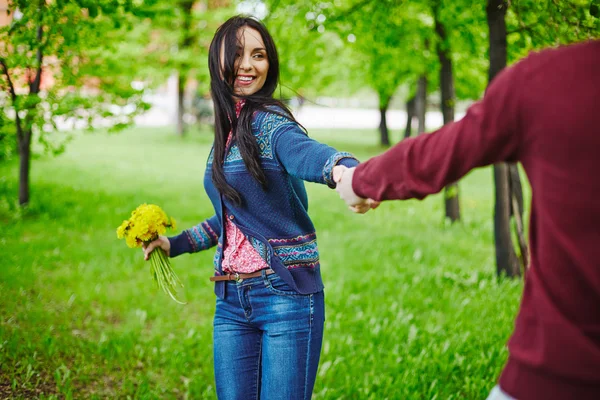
(238, 254)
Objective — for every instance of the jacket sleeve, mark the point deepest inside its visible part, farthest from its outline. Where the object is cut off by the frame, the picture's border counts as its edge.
(200, 237)
(490, 132)
(307, 159)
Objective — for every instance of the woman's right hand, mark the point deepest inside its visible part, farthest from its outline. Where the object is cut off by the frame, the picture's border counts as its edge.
(161, 242)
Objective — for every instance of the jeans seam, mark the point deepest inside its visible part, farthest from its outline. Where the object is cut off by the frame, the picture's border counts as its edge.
(308, 360)
(258, 369)
(249, 317)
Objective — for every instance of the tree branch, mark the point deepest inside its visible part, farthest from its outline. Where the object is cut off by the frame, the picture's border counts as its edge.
(34, 86)
(13, 94)
(527, 28)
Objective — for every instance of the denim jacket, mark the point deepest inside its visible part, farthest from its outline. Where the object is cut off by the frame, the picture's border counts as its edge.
(275, 220)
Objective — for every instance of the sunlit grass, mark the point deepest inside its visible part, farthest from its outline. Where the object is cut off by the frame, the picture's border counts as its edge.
(414, 310)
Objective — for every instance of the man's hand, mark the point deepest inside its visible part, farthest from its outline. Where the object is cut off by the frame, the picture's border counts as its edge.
(342, 176)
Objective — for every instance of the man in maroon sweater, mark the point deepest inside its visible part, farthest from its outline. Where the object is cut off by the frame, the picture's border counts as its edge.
(545, 113)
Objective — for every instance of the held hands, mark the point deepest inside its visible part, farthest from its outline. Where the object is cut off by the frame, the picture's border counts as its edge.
(161, 242)
(342, 176)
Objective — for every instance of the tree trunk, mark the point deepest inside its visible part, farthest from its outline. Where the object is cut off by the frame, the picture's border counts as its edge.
(506, 259)
(383, 128)
(24, 144)
(25, 127)
(186, 40)
(496, 13)
(421, 102)
(180, 104)
(517, 209)
(451, 199)
(451, 202)
(410, 114)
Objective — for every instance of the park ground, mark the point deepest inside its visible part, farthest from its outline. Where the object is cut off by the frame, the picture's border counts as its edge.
(414, 309)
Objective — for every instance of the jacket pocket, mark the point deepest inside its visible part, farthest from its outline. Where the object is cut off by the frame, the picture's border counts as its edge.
(277, 286)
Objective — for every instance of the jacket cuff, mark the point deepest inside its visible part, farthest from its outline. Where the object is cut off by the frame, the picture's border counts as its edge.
(348, 162)
(339, 158)
(180, 244)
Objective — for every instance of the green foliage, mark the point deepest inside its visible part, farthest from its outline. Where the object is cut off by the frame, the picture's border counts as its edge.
(595, 9)
(380, 45)
(8, 142)
(175, 36)
(533, 25)
(384, 44)
(413, 308)
(466, 27)
(393, 43)
(341, 47)
(313, 60)
(81, 47)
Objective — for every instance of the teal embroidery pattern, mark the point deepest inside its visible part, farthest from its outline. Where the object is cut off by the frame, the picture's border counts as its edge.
(263, 128)
(233, 154)
(332, 162)
(266, 125)
(260, 248)
(202, 237)
(298, 251)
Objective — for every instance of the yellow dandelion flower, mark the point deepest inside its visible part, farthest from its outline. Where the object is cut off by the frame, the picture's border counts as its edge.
(131, 242)
(122, 230)
(148, 221)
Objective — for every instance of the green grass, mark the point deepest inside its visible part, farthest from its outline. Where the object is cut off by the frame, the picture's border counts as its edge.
(413, 308)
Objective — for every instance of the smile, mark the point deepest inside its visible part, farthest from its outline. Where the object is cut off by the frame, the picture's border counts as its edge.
(245, 80)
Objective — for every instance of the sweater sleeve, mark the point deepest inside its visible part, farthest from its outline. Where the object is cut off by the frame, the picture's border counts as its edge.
(490, 132)
(307, 159)
(200, 237)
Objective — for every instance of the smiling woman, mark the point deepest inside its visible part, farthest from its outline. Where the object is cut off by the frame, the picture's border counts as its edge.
(243, 62)
(268, 325)
(251, 65)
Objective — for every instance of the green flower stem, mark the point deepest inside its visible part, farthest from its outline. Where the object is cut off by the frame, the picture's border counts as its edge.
(163, 274)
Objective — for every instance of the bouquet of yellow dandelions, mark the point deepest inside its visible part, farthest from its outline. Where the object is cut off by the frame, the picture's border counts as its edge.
(145, 224)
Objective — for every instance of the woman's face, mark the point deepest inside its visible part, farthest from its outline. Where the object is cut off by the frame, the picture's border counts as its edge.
(251, 62)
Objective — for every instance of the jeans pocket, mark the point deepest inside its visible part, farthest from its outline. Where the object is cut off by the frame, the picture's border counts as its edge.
(277, 286)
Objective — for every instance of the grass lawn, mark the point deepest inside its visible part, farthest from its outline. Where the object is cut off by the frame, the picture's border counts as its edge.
(413, 307)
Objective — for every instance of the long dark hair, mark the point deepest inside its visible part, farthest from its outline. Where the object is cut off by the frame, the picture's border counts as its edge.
(222, 77)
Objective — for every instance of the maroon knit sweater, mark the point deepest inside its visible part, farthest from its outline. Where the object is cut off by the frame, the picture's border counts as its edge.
(545, 113)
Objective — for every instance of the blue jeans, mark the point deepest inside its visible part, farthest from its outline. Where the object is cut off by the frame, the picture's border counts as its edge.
(267, 340)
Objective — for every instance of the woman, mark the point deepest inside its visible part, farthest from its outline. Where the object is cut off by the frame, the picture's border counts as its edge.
(268, 325)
